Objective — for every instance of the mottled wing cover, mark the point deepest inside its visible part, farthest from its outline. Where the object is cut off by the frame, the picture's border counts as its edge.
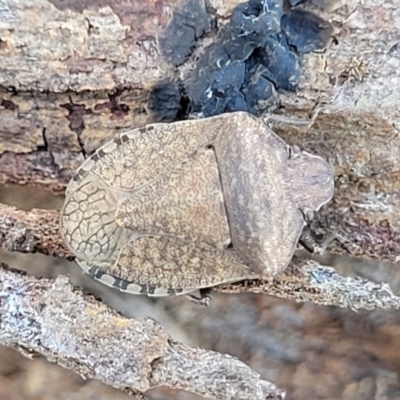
(185, 202)
(160, 265)
(114, 172)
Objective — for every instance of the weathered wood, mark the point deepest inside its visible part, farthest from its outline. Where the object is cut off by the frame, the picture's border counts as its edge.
(91, 74)
(75, 73)
(31, 232)
(62, 46)
(82, 334)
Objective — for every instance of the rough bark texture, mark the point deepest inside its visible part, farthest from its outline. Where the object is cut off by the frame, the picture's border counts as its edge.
(364, 214)
(82, 334)
(75, 73)
(31, 232)
(78, 73)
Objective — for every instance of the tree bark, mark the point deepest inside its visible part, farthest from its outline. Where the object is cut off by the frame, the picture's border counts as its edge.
(91, 75)
(82, 334)
(73, 74)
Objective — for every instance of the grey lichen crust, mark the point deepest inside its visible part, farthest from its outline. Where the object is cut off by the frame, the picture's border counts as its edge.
(80, 333)
(172, 208)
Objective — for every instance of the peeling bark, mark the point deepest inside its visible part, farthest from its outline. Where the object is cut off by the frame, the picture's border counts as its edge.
(82, 334)
(31, 232)
(91, 75)
(76, 73)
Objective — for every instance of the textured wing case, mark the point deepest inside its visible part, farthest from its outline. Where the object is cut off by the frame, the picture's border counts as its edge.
(160, 179)
(152, 211)
(158, 265)
(185, 202)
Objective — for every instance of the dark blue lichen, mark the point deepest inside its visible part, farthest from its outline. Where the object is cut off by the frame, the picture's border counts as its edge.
(295, 2)
(164, 102)
(282, 64)
(237, 103)
(259, 92)
(255, 56)
(306, 31)
(214, 82)
(250, 25)
(186, 26)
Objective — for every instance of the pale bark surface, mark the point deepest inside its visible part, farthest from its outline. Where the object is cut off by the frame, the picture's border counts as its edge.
(74, 74)
(98, 61)
(82, 334)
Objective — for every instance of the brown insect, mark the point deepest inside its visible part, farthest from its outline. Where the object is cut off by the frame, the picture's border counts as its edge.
(173, 208)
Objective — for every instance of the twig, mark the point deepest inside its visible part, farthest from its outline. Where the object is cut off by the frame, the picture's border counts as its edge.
(304, 280)
(31, 232)
(307, 280)
(82, 334)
